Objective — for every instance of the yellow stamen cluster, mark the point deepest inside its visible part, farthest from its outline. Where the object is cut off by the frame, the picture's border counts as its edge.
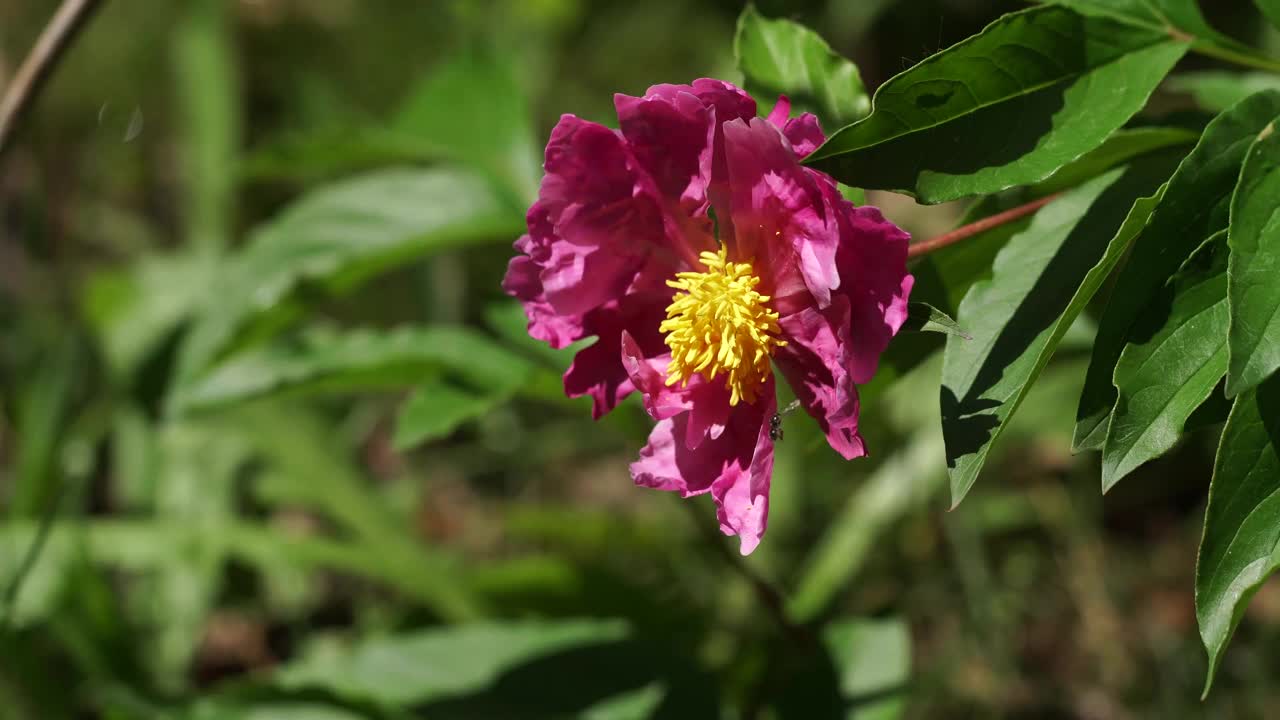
(718, 323)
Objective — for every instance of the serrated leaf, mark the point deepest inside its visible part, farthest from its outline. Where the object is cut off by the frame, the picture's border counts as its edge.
(336, 237)
(1241, 543)
(1254, 341)
(436, 409)
(1032, 92)
(780, 57)
(1192, 209)
(1217, 90)
(923, 317)
(1175, 361)
(354, 360)
(1039, 284)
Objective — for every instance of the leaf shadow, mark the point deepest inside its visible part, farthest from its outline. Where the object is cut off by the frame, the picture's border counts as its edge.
(969, 421)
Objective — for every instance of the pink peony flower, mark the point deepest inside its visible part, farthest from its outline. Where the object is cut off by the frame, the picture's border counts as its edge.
(700, 253)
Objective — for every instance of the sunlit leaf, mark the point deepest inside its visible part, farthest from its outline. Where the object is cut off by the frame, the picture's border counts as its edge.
(359, 359)
(780, 57)
(1241, 544)
(1177, 357)
(428, 665)
(1194, 207)
(1254, 341)
(337, 237)
(1040, 283)
(1034, 91)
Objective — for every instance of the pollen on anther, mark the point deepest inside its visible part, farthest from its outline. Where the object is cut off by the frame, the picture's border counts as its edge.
(717, 323)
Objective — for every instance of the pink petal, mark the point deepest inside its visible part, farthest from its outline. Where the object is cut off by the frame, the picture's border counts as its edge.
(781, 220)
(603, 224)
(671, 136)
(804, 133)
(736, 466)
(598, 369)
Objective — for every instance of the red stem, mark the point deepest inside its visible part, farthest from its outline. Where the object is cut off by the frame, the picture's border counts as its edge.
(967, 231)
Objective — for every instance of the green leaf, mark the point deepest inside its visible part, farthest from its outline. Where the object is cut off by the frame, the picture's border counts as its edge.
(357, 359)
(442, 118)
(1177, 357)
(491, 130)
(1161, 15)
(415, 668)
(1241, 543)
(1032, 92)
(436, 409)
(1040, 283)
(1254, 341)
(1271, 9)
(195, 487)
(335, 238)
(780, 57)
(1192, 209)
(1217, 90)
(873, 663)
(208, 95)
(133, 310)
(923, 317)
(903, 483)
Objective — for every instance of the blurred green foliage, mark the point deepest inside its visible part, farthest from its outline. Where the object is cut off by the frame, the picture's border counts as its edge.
(273, 444)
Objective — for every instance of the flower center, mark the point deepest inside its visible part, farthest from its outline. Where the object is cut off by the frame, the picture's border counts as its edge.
(718, 323)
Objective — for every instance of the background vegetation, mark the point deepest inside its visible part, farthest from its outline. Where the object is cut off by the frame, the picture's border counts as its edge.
(273, 444)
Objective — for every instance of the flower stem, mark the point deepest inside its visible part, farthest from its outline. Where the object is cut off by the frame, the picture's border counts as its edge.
(964, 232)
(39, 64)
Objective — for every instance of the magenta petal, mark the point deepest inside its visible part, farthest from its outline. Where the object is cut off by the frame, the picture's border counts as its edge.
(778, 115)
(814, 362)
(736, 466)
(671, 136)
(598, 370)
(804, 133)
(603, 225)
(873, 258)
(781, 218)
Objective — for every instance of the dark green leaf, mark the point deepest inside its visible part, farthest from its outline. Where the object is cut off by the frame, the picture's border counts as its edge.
(436, 409)
(1158, 15)
(356, 360)
(1040, 283)
(1254, 341)
(1270, 8)
(1217, 90)
(1031, 93)
(1193, 208)
(780, 57)
(923, 317)
(1174, 361)
(335, 238)
(435, 664)
(1241, 543)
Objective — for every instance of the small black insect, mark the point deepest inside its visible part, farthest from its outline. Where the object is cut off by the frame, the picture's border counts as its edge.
(775, 422)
